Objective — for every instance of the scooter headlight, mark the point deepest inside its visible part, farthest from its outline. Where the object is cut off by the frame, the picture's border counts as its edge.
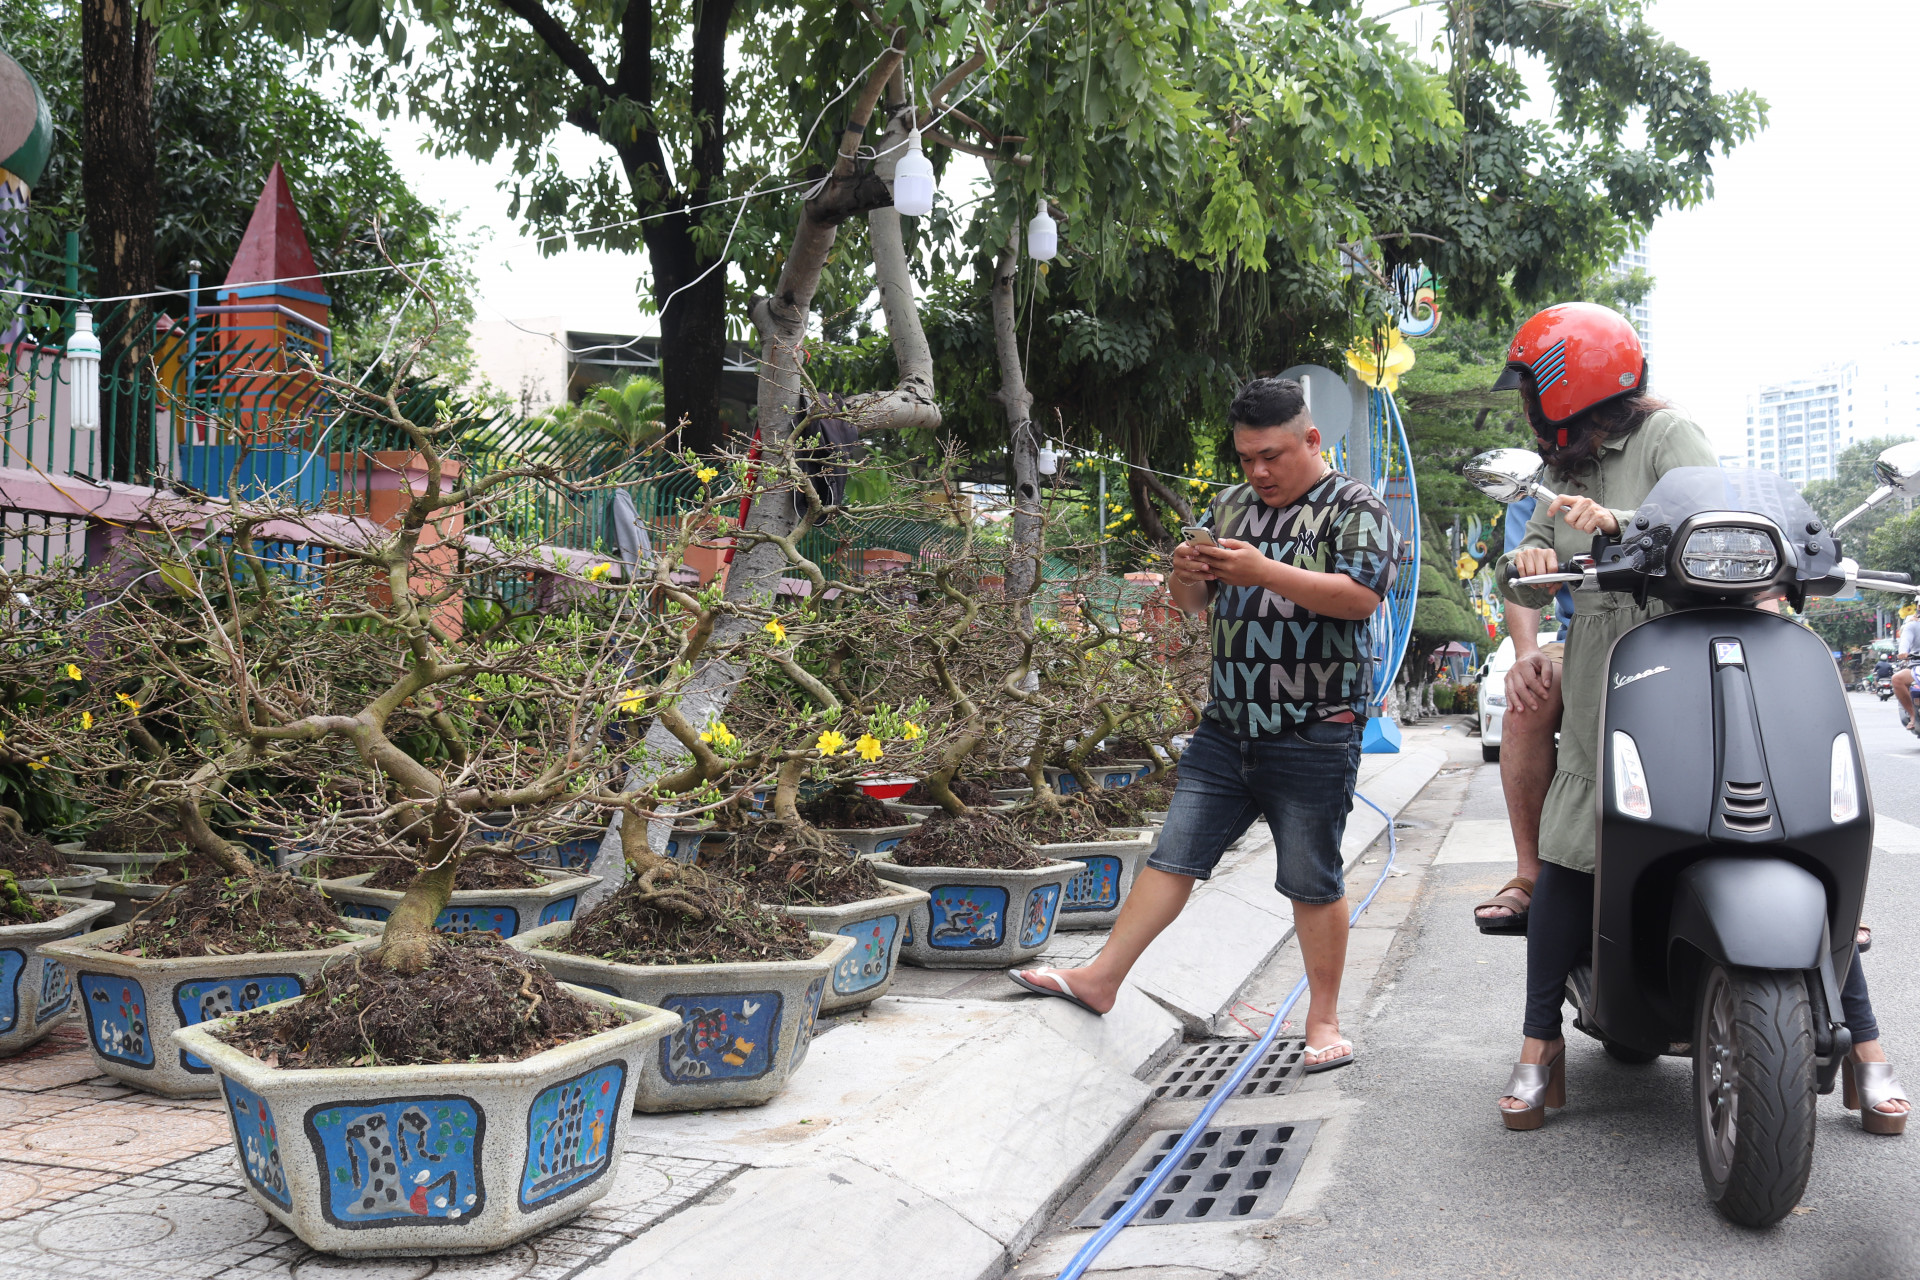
(1724, 554)
(1630, 794)
(1843, 790)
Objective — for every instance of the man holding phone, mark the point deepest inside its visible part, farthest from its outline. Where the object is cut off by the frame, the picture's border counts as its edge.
(1292, 565)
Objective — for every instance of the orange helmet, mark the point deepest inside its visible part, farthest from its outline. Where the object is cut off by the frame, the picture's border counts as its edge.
(1578, 355)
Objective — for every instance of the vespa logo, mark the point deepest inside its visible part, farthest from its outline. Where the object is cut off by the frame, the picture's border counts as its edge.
(1621, 682)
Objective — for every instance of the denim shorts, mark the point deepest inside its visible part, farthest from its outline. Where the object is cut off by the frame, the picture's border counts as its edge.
(1301, 782)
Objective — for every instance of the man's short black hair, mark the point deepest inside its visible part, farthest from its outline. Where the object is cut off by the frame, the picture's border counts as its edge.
(1267, 402)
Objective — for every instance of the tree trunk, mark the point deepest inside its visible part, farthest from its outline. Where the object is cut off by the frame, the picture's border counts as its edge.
(1023, 441)
(118, 182)
(409, 932)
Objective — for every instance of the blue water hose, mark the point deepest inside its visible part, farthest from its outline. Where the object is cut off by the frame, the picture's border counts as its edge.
(1161, 1171)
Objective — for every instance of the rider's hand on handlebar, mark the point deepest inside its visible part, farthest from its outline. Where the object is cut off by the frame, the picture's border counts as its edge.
(1530, 561)
(1584, 514)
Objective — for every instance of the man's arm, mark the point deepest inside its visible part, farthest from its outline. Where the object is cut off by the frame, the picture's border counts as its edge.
(1241, 564)
(1191, 576)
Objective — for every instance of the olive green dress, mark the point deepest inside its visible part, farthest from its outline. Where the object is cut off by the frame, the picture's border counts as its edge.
(1626, 471)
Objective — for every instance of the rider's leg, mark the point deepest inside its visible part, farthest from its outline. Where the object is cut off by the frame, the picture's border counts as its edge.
(1527, 757)
(1559, 934)
(1857, 1009)
(1903, 690)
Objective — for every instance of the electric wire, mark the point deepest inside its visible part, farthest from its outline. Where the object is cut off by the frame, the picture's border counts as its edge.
(1078, 1264)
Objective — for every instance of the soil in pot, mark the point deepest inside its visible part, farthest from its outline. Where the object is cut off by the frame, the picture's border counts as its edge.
(29, 856)
(132, 835)
(965, 790)
(474, 1000)
(1155, 793)
(22, 908)
(218, 915)
(1009, 779)
(637, 924)
(795, 867)
(483, 868)
(1070, 820)
(977, 839)
(848, 811)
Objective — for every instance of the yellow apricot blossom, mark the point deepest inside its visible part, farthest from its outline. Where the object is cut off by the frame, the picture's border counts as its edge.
(632, 701)
(86, 719)
(869, 747)
(719, 735)
(831, 743)
(706, 474)
(73, 672)
(776, 630)
(132, 704)
(912, 732)
(600, 573)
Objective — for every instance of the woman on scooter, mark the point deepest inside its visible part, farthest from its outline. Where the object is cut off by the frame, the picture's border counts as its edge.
(1581, 374)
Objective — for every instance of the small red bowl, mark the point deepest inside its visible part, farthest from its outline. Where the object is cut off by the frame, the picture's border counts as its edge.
(888, 788)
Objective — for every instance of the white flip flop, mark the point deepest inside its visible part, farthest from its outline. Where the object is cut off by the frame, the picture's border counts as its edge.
(1064, 993)
(1315, 1068)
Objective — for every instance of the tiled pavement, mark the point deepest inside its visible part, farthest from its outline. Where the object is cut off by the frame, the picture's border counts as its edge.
(102, 1182)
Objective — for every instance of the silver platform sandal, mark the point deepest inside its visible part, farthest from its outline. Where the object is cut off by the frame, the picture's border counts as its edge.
(1866, 1086)
(1541, 1085)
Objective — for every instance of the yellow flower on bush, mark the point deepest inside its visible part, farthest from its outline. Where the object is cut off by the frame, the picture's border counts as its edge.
(831, 743)
(632, 701)
(719, 735)
(600, 573)
(912, 732)
(73, 672)
(86, 719)
(132, 704)
(868, 747)
(777, 631)
(41, 763)
(706, 474)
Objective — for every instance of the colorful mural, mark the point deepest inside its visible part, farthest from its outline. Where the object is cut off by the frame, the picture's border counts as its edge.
(872, 953)
(1098, 887)
(571, 1133)
(721, 1037)
(12, 964)
(399, 1160)
(966, 917)
(881, 846)
(1037, 925)
(558, 909)
(56, 990)
(258, 1138)
(361, 910)
(198, 1002)
(503, 920)
(117, 1018)
(804, 1040)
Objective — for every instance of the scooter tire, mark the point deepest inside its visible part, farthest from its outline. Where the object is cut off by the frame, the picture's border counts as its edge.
(1754, 1092)
(1490, 755)
(1621, 1053)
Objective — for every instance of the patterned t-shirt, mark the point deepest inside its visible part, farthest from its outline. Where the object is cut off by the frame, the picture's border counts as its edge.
(1278, 665)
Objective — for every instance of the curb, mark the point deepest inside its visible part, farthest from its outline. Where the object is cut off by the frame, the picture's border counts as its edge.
(933, 1138)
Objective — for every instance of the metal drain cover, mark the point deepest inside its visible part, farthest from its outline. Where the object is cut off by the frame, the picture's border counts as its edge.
(1235, 1173)
(1203, 1067)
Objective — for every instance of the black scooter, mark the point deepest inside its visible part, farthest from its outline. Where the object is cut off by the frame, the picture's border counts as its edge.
(1735, 828)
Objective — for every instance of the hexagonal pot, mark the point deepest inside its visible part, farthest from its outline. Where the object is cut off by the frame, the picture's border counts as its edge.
(877, 926)
(135, 1007)
(78, 883)
(868, 841)
(35, 992)
(745, 1026)
(685, 843)
(506, 911)
(1092, 898)
(978, 918)
(129, 891)
(1105, 775)
(450, 1158)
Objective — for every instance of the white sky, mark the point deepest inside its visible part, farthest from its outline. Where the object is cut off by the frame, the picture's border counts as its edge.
(1781, 271)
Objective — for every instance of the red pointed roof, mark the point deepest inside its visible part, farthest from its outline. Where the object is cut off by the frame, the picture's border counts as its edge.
(275, 247)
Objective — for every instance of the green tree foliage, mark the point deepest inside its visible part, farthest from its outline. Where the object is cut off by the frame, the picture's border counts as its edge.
(1442, 614)
(223, 113)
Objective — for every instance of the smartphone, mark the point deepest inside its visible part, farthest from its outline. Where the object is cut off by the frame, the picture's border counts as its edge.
(1199, 534)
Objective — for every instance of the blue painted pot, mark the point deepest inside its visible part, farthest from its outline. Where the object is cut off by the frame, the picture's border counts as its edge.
(506, 911)
(36, 992)
(1109, 776)
(744, 1027)
(877, 926)
(980, 919)
(446, 1159)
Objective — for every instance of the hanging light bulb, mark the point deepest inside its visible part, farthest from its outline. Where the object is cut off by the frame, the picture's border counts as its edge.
(1043, 236)
(1049, 460)
(913, 180)
(83, 374)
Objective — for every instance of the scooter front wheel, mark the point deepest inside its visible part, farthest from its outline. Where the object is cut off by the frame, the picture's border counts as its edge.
(1754, 1092)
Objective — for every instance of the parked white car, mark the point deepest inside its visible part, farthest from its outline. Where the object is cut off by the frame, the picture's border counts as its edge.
(1493, 694)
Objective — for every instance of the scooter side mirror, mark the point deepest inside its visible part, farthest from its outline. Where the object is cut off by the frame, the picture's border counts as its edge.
(1898, 468)
(1507, 475)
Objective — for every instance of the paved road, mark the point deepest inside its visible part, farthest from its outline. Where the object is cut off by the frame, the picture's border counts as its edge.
(1427, 1183)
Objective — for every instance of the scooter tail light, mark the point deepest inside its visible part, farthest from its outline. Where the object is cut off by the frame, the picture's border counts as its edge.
(1630, 795)
(1843, 789)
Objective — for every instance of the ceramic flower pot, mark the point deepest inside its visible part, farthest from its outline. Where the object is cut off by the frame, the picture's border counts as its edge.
(744, 1029)
(1104, 775)
(975, 918)
(135, 1007)
(35, 990)
(568, 855)
(685, 843)
(77, 883)
(443, 1159)
(877, 926)
(1093, 897)
(869, 841)
(505, 911)
(129, 891)
(1012, 795)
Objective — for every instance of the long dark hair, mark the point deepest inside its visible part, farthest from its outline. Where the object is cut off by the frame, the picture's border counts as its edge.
(1589, 430)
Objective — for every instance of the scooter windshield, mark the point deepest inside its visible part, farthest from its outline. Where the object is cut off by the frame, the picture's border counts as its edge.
(1687, 491)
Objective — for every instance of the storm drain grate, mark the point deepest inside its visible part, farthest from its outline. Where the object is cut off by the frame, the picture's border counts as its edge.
(1235, 1173)
(1201, 1068)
